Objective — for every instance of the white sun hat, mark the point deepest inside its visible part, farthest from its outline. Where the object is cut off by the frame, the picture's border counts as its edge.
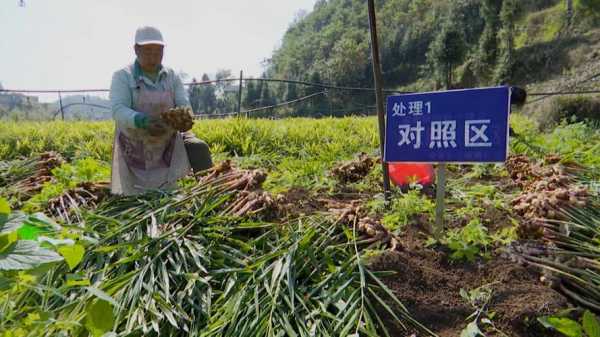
(148, 35)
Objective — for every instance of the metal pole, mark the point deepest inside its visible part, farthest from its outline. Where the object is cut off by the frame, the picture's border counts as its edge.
(440, 189)
(239, 107)
(379, 97)
(440, 193)
(62, 113)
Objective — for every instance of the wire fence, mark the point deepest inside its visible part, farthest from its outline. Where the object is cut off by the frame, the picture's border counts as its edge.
(332, 100)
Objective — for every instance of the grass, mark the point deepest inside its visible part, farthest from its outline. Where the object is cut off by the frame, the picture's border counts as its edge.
(297, 151)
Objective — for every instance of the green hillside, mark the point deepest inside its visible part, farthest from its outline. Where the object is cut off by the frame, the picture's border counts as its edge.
(483, 42)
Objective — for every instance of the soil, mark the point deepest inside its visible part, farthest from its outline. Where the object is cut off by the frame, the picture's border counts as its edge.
(298, 201)
(429, 284)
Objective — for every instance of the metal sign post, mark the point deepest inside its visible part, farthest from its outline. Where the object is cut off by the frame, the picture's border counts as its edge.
(62, 112)
(239, 107)
(379, 96)
(440, 201)
(456, 126)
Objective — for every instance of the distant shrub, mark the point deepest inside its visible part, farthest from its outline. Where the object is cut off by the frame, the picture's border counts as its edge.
(536, 5)
(569, 109)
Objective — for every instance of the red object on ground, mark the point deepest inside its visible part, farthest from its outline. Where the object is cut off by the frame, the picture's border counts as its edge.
(402, 174)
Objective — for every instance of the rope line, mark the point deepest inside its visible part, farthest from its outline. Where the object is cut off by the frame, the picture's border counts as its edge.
(319, 85)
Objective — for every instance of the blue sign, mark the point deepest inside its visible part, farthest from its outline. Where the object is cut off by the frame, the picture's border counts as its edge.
(467, 126)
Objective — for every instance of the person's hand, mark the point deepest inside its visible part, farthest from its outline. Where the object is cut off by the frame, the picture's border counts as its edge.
(141, 120)
(156, 127)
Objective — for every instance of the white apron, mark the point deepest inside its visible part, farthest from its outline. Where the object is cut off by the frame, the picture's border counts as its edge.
(142, 162)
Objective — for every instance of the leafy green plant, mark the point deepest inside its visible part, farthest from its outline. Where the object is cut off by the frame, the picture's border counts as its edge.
(481, 319)
(82, 170)
(589, 326)
(19, 249)
(68, 176)
(468, 242)
(405, 206)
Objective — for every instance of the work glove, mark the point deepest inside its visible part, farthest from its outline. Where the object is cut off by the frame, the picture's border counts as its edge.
(154, 125)
(141, 120)
(157, 127)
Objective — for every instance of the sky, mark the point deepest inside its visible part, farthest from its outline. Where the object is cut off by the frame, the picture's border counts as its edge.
(78, 44)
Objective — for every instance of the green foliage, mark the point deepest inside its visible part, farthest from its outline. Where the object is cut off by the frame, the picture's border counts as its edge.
(488, 42)
(506, 38)
(17, 250)
(322, 42)
(481, 324)
(202, 97)
(333, 40)
(568, 109)
(447, 51)
(405, 207)
(251, 95)
(4, 209)
(468, 242)
(24, 255)
(67, 176)
(155, 274)
(72, 254)
(72, 139)
(173, 264)
(82, 170)
(589, 326)
(576, 142)
(99, 317)
(588, 10)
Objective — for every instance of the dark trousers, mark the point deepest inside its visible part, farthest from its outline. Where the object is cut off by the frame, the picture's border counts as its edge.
(197, 151)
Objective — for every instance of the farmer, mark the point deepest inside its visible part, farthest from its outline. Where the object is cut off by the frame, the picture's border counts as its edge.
(147, 153)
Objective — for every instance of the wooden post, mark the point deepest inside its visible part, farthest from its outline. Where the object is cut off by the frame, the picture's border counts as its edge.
(379, 97)
(62, 113)
(239, 107)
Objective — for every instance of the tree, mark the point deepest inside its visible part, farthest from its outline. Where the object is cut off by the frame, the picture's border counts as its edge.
(488, 42)
(318, 104)
(202, 96)
(208, 97)
(291, 93)
(226, 103)
(194, 94)
(589, 8)
(222, 74)
(569, 12)
(506, 38)
(252, 96)
(447, 51)
(266, 96)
